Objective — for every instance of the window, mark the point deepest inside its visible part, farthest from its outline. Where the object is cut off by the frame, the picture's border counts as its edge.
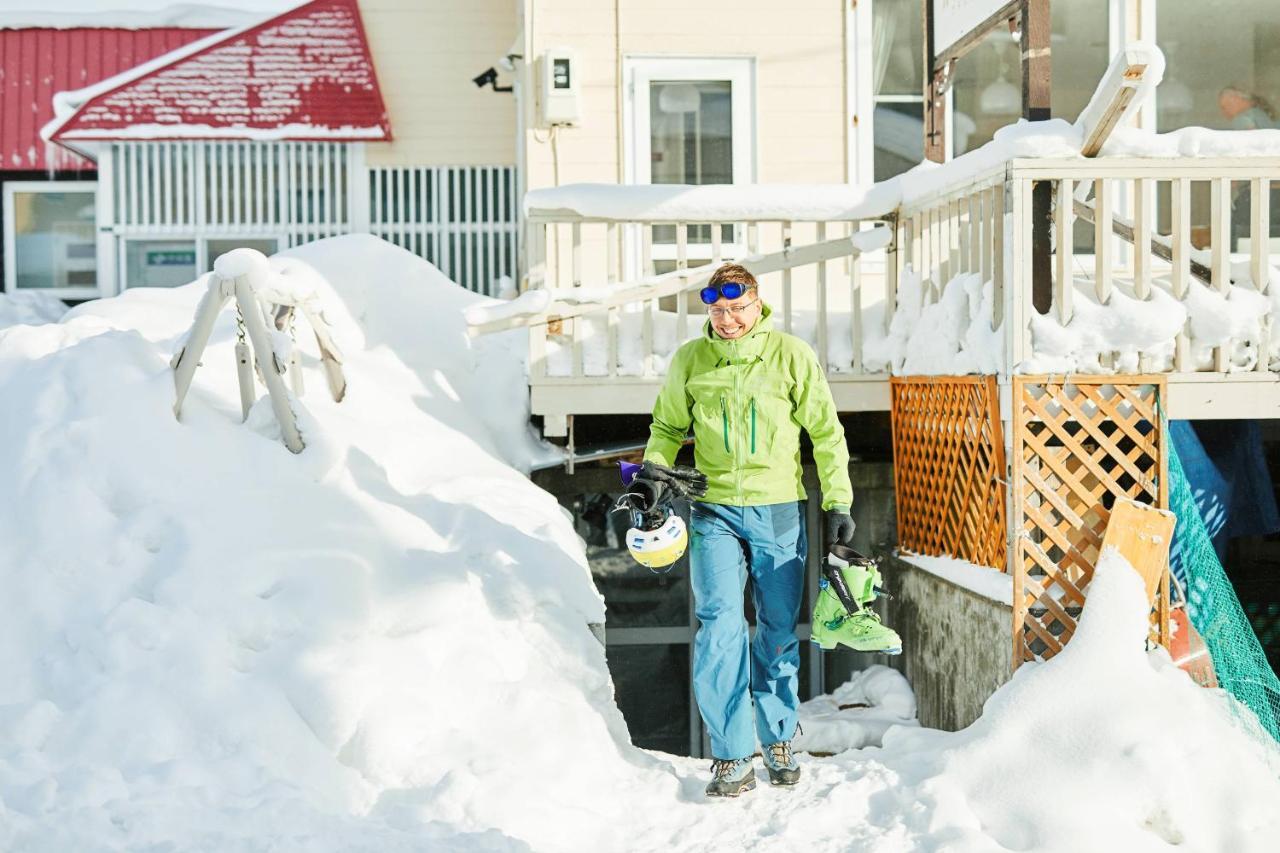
(988, 84)
(1228, 78)
(159, 263)
(987, 91)
(49, 237)
(689, 121)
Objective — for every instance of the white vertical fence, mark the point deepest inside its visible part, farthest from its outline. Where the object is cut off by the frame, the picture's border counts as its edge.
(461, 218)
(297, 191)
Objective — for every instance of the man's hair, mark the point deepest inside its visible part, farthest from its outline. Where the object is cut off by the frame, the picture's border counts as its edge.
(733, 272)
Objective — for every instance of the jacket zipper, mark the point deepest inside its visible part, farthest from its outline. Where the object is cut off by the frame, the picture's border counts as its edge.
(753, 425)
(724, 421)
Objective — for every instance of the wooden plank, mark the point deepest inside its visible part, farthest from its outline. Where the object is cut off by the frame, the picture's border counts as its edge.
(1142, 535)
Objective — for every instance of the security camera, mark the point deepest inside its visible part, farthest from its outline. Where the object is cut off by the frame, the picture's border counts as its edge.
(489, 78)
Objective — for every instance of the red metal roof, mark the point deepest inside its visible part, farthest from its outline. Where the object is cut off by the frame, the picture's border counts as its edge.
(304, 74)
(35, 63)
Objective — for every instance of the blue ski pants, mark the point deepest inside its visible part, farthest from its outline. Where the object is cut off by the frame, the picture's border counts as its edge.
(730, 670)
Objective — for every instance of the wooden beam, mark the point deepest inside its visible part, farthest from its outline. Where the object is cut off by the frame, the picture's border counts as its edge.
(1123, 229)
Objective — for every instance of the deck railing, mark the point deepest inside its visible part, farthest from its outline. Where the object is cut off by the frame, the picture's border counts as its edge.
(814, 280)
(1199, 230)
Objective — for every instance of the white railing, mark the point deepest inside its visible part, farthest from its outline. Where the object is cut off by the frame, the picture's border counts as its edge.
(621, 292)
(815, 277)
(1137, 226)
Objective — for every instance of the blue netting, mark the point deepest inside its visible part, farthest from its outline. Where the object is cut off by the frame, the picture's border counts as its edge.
(1238, 660)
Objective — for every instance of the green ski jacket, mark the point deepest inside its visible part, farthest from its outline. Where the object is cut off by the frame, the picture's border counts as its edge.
(747, 400)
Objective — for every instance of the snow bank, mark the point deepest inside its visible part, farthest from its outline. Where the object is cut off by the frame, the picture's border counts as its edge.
(209, 643)
(1101, 730)
(857, 713)
(29, 307)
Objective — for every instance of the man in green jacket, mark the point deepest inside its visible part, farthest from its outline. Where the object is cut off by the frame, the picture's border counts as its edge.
(748, 390)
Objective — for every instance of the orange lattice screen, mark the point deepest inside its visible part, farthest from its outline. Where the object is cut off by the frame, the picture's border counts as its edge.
(1077, 446)
(948, 467)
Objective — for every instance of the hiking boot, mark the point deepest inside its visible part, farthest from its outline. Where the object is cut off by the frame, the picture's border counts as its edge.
(731, 776)
(781, 763)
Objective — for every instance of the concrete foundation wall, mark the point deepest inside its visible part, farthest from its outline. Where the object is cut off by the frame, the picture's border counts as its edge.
(957, 645)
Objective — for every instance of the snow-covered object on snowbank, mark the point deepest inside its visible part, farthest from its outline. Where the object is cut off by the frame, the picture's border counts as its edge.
(857, 713)
(29, 307)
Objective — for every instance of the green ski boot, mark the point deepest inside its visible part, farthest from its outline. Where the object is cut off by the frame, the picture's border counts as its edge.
(850, 582)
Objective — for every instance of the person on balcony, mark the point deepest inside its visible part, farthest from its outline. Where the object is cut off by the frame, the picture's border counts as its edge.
(747, 390)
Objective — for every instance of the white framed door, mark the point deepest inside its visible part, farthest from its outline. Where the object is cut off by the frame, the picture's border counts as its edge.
(688, 120)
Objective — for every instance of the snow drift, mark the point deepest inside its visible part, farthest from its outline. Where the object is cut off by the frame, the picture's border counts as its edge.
(210, 642)
(381, 644)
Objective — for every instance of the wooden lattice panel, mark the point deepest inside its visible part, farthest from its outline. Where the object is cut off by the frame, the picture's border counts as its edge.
(949, 468)
(1078, 445)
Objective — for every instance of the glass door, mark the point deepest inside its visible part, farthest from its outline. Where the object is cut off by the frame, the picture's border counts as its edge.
(690, 121)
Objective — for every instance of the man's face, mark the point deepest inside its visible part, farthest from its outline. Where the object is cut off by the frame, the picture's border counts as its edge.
(733, 318)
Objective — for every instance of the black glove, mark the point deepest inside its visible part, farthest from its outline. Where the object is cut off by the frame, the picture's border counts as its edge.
(840, 527)
(680, 482)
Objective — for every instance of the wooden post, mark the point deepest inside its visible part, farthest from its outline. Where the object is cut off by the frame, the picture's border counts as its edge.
(1035, 107)
(935, 100)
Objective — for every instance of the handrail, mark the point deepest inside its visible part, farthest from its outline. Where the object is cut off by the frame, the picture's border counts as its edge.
(684, 281)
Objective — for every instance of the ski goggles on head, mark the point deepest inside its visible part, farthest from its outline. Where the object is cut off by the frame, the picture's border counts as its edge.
(729, 290)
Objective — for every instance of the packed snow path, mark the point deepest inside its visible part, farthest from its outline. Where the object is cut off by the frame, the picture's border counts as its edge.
(207, 643)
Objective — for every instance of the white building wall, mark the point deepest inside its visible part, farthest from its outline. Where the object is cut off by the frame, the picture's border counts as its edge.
(426, 53)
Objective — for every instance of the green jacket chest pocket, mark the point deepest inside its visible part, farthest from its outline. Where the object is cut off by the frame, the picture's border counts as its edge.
(771, 427)
(715, 423)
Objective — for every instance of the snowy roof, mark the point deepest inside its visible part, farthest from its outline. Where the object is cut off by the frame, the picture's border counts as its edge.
(138, 14)
(304, 74)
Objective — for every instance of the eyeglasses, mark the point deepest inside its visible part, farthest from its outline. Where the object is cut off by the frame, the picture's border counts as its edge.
(729, 290)
(735, 310)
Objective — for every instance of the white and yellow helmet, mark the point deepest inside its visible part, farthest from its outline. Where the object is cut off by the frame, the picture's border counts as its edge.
(661, 547)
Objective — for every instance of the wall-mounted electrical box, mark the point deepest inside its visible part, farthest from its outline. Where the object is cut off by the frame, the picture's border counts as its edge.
(560, 75)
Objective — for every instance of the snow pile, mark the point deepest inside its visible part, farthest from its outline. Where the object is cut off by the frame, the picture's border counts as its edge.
(29, 307)
(207, 642)
(1110, 338)
(1192, 142)
(1126, 327)
(857, 713)
(951, 336)
(1102, 730)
